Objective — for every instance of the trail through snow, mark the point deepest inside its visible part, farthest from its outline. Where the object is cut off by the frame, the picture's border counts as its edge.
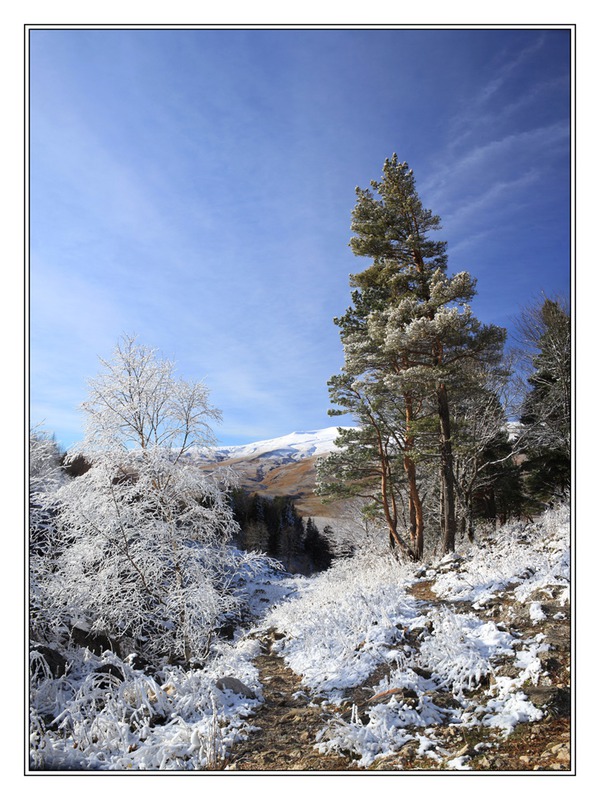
(372, 664)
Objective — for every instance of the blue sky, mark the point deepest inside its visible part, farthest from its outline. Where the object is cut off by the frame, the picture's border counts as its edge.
(194, 187)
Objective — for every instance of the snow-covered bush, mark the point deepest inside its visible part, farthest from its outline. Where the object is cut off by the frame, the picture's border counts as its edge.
(148, 557)
(106, 715)
(46, 477)
(532, 556)
(460, 648)
(45, 473)
(145, 533)
(340, 626)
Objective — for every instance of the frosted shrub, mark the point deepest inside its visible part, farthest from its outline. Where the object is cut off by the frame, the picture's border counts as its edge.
(460, 649)
(533, 556)
(178, 719)
(146, 534)
(139, 567)
(361, 610)
(45, 479)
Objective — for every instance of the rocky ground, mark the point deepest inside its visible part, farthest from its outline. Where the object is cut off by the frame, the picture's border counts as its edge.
(287, 723)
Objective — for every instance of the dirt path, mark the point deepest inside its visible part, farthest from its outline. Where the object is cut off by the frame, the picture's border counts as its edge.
(288, 723)
(289, 719)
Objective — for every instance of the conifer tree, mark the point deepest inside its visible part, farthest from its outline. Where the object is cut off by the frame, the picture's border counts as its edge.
(545, 332)
(407, 336)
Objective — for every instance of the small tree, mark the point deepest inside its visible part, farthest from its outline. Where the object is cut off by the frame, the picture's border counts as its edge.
(373, 460)
(148, 559)
(486, 474)
(45, 479)
(544, 332)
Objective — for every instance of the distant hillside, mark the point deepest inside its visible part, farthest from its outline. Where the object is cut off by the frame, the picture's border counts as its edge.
(282, 466)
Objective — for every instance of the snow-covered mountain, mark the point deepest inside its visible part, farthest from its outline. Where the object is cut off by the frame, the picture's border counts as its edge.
(292, 447)
(283, 466)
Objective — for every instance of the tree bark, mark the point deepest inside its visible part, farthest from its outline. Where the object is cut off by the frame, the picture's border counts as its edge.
(389, 513)
(415, 508)
(447, 472)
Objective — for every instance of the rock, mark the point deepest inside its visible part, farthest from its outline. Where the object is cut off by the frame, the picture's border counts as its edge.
(561, 751)
(112, 670)
(236, 686)
(540, 695)
(463, 751)
(558, 637)
(137, 662)
(97, 643)
(227, 631)
(56, 663)
(422, 672)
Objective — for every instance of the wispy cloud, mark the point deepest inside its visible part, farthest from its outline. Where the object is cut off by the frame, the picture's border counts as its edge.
(506, 155)
(509, 65)
(484, 102)
(196, 191)
(490, 199)
(513, 146)
(498, 178)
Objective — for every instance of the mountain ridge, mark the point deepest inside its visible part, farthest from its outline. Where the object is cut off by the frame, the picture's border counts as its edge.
(299, 444)
(278, 467)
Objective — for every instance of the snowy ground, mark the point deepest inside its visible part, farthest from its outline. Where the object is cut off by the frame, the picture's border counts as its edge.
(337, 629)
(368, 616)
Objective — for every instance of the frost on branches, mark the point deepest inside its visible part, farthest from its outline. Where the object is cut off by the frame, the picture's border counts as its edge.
(145, 557)
(45, 478)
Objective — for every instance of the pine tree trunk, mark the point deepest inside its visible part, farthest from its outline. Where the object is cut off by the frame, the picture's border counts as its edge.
(387, 498)
(447, 472)
(415, 508)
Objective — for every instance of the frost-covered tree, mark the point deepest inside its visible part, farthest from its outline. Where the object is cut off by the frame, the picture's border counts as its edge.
(486, 474)
(46, 476)
(375, 461)
(410, 330)
(147, 560)
(544, 333)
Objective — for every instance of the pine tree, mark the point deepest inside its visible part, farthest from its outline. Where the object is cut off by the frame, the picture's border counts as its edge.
(317, 547)
(545, 331)
(406, 338)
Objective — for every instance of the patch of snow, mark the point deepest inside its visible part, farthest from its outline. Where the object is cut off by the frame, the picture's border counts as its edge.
(461, 762)
(536, 613)
(506, 712)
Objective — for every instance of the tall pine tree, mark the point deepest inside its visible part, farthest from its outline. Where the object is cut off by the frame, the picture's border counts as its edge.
(545, 331)
(406, 338)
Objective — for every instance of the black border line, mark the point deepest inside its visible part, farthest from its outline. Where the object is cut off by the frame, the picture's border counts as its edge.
(27, 28)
